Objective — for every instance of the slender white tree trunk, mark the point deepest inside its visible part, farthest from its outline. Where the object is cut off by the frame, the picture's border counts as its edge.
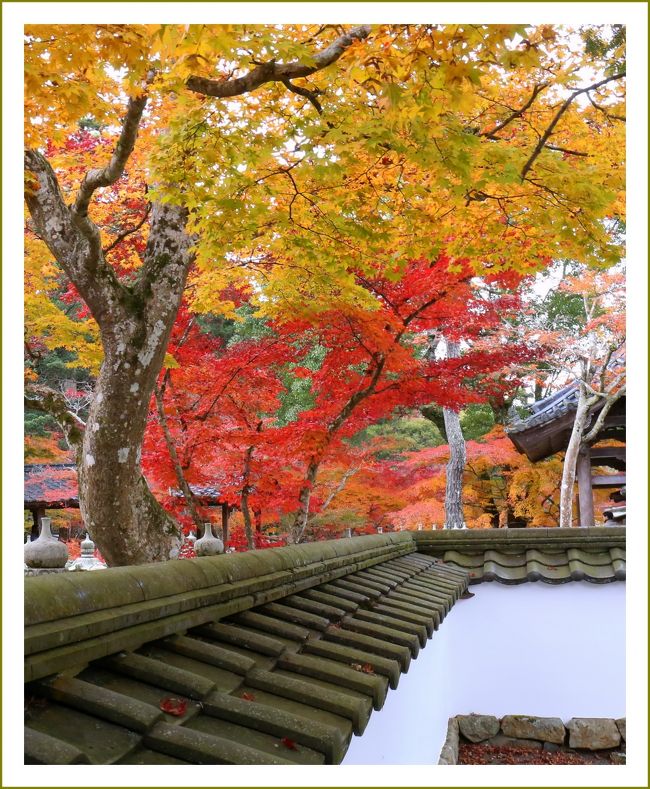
(571, 459)
(454, 518)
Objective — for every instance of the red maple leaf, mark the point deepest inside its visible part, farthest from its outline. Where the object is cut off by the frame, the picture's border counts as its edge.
(173, 706)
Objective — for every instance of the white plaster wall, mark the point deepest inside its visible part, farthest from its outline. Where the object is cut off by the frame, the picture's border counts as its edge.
(529, 649)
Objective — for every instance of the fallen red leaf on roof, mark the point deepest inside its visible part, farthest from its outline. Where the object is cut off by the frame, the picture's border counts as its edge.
(173, 706)
(290, 744)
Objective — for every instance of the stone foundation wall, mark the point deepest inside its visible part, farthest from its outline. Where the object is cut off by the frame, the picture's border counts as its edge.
(548, 734)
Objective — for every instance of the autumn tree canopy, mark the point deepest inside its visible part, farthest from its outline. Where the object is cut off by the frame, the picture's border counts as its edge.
(292, 168)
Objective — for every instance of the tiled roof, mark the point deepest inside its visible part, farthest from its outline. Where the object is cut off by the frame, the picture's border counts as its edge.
(513, 556)
(548, 427)
(51, 485)
(54, 485)
(277, 656)
(547, 410)
(267, 657)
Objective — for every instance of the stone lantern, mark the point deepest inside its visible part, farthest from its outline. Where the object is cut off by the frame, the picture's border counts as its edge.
(45, 554)
(87, 560)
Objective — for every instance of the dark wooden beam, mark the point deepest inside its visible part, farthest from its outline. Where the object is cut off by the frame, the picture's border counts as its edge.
(608, 452)
(607, 480)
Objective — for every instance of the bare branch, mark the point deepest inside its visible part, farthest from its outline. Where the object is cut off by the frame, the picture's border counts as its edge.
(308, 94)
(339, 487)
(190, 499)
(568, 151)
(608, 115)
(48, 401)
(108, 175)
(278, 72)
(129, 231)
(611, 399)
(74, 241)
(563, 108)
(516, 113)
(47, 207)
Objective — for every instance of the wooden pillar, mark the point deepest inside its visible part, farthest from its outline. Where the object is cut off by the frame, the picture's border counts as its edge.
(585, 493)
(225, 513)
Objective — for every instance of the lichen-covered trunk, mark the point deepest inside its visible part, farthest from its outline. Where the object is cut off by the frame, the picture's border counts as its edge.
(571, 459)
(454, 518)
(135, 319)
(125, 520)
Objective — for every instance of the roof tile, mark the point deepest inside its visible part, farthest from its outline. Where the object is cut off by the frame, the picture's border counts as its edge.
(266, 674)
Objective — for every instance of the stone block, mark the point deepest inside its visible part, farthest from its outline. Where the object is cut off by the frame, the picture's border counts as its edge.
(501, 741)
(617, 757)
(449, 752)
(477, 728)
(530, 727)
(620, 723)
(593, 733)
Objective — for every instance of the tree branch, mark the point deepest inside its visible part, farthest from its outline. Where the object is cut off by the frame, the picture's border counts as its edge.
(108, 175)
(563, 108)
(190, 499)
(605, 113)
(128, 231)
(48, 401)
(47, 207)
(278, 72)
(568, 151)
(516, 113)
(76, 245)
(611, 399)
(308, 94)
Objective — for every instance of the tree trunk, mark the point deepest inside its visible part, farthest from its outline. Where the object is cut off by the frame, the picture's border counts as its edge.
(248, 525)
(454, 518)
(186, 490)
(245, 509)
(302, 515)
(225, 516)
(571, 459)
(257, 515)
(135, 321)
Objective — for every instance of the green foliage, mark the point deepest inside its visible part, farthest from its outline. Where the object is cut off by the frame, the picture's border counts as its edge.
(608, 44)
(476, 421)
(217, 326)
(54, 366)
(298, 396)
(248, 327)
(400, 435)
(38, 424)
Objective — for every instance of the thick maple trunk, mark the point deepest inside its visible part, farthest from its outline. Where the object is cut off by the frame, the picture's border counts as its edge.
(571, 459)
(135, 321)
(125, 520)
